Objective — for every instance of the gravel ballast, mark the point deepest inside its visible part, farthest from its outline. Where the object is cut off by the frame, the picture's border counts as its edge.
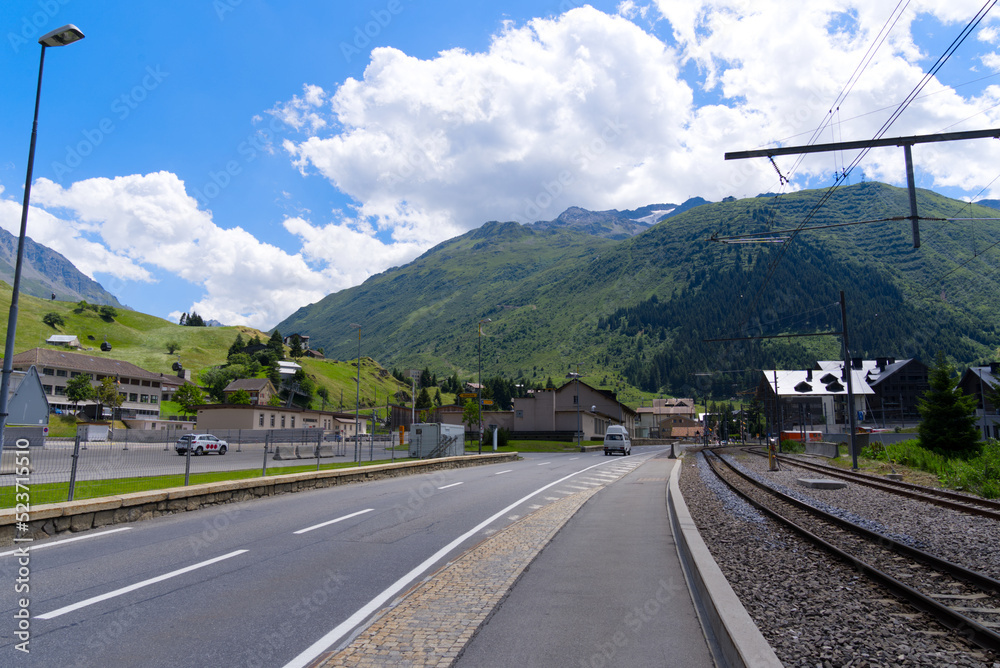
(816, 610)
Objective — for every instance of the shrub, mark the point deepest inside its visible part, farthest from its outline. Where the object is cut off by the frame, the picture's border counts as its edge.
(792, 447)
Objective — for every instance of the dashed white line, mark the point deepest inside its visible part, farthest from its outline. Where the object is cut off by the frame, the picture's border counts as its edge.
(544, 463)
(502, 472)
(138, 585)
(339, 519)
(313, 651)
(454, 484)
(35, 548)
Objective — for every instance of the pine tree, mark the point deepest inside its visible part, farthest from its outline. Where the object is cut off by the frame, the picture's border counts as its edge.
(948, 419)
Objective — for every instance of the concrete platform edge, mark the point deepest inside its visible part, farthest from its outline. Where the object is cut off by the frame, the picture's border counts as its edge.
(735, 633)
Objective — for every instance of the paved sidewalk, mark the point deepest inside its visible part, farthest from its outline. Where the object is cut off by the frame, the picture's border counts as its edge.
(607, 591)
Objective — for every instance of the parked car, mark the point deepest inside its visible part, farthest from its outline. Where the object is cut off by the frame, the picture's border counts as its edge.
(617, 440)
(200, 444)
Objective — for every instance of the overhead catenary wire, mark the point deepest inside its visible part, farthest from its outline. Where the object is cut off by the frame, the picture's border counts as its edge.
(824, 198)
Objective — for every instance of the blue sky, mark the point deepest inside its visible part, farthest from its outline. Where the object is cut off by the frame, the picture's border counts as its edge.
(243, 158)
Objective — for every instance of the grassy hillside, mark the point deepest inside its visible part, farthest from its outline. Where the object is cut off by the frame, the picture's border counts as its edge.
(635, 313)
(142, 340)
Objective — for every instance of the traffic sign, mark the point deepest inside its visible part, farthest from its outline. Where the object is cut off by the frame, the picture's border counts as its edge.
(487, 402)
(468, 395)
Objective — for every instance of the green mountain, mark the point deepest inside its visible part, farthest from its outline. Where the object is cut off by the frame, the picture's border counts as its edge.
(636, 311)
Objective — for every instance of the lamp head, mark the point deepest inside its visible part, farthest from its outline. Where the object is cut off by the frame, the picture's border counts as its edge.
(61, 36)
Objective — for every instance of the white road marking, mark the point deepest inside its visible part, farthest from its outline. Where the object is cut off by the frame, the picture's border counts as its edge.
(502, 472)
(573, 458)
(454, 484)
(544, 463)
(138, 585)
(335, 634)
(34, 548)
(329, 522)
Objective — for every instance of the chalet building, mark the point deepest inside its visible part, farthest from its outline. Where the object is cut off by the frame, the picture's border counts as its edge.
(816, 399)
(140, 389)
(978, 381)
(260, 390)
(563, 411)
(680, 426)
(303, 340)
(649, 418)
(897, 386)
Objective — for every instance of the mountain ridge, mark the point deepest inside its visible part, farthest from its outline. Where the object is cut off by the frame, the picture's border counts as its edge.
(558, 296)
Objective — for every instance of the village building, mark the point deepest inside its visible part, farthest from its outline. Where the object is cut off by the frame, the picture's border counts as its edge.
(262, 418)
(977, 381)
(140, 389)
(649, 418)
(260, 390)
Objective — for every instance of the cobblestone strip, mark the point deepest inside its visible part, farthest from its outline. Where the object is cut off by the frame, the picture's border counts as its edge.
(432, 624)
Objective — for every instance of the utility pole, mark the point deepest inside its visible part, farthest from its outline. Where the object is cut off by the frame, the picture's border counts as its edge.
(850, 383)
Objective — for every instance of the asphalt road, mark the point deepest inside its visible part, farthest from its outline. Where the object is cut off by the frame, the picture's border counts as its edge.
(102, 461)
(272, 582)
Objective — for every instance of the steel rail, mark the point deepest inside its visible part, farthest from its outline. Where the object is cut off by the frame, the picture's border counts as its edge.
(939, 497)
(974, 631)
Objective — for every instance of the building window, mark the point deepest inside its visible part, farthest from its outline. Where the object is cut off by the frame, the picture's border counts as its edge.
(74, 374)
(519, 414)
(61, 373)
(47, 388)
(143, 398)
(272, 419)
(48, 372)
(293, 422)
(60, 391)
(261, 421)
(153, 399)
(133, 397)
(282, 421)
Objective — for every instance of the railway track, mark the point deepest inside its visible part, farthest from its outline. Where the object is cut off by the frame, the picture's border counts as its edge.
(939, 497)
(962, 600)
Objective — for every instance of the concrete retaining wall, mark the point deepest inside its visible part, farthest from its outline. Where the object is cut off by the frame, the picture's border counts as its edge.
(56, 518)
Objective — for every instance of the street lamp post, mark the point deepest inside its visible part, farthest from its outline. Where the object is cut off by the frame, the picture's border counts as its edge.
(479, 390)
(58, 37)
(579, 427)
(357, 401)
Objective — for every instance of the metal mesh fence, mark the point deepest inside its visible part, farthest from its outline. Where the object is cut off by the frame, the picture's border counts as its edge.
(131, 461)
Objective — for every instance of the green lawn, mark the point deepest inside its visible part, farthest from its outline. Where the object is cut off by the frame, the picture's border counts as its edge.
(531, 446)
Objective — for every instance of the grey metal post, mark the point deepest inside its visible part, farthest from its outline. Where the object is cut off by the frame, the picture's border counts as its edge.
(187, 463)
(850, 384)
(914, 218)
(267, 437)
(72, 474)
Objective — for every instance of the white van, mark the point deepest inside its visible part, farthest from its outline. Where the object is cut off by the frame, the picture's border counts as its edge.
(617, 440)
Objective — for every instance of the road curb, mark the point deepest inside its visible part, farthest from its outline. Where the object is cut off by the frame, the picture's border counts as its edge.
(727, 623)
